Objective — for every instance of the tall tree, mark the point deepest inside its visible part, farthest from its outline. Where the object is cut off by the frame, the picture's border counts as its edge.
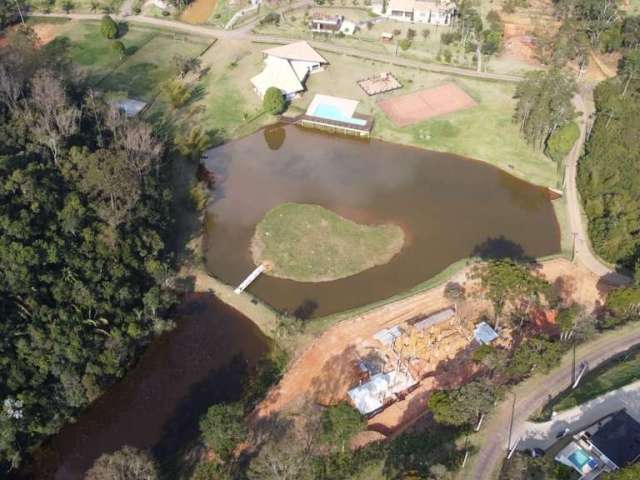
(544, 104)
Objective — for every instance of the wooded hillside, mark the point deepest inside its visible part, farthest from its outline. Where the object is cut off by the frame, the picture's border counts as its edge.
(609, 174)
(84, 213)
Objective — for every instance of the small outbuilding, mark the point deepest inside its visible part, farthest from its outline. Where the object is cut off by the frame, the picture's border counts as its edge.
(381, 390)
(484, 334)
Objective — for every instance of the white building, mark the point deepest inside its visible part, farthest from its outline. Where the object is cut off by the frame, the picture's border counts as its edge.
(421, 11)
(287, 68)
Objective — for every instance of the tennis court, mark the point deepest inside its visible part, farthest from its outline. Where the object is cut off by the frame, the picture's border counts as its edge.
(422, 105)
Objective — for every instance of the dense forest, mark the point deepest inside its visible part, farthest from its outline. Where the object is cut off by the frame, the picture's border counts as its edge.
(609, 173)
(84, 215)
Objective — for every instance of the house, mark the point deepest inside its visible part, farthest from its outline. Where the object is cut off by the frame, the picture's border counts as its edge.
(287, 68)
(377, 6)
(611, 443)
(421, 11)
(326, 24)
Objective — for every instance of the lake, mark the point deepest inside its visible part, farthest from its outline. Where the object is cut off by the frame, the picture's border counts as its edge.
(449, 207)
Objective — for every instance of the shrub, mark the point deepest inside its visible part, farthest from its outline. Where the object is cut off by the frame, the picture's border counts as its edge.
(67, 6)
(448, 38)
(137, 10)
(271, 17)
(118, 48)
(446, 56)
(273, 101)
(411, 33)
(108, 27)
(199, 196)
(561, 141)
(405, 44)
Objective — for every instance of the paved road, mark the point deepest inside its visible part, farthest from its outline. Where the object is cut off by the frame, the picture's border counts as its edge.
(533, 394)
(244, 32)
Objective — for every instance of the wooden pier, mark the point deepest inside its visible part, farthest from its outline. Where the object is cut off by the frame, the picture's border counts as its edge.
(252, 276)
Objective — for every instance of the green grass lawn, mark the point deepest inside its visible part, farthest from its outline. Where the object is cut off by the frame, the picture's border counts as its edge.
(610, 376)
(309, 243)
(77, 6)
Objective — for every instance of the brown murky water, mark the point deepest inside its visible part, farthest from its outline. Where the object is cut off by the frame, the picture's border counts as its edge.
(158, 404)
(450, 208)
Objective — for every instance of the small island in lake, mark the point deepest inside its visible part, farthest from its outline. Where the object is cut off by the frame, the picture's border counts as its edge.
(309, 243)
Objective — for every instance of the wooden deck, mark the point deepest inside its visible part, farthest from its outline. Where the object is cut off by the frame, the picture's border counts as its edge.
(335, 126)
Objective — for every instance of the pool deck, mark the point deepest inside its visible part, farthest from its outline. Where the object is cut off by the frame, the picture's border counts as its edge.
(336, 126)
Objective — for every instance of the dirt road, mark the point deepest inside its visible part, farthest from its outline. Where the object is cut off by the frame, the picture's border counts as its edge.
(245, 33)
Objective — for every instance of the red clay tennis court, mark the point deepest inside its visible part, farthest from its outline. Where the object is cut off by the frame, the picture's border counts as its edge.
(416, 107)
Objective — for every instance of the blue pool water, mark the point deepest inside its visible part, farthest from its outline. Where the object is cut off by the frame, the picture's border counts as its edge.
(332, 113)
(579, 458)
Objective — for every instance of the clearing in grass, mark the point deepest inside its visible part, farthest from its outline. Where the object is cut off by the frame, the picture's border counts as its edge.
(309, 243)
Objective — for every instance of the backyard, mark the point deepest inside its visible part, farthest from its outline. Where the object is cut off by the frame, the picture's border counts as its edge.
(485, 132)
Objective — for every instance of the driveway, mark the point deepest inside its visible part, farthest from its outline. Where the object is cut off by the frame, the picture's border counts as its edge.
(542, 435)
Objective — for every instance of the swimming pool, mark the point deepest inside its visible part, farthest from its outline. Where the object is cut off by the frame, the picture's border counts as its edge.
(580, 458)
(331, 112)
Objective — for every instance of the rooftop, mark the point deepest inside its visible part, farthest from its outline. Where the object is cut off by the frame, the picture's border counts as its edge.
(300, 51)
(619, 439)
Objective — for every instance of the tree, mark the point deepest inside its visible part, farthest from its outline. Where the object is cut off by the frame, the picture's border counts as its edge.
(81, 297)
(560, 142)
(273, 101)
(128, 463)
(177, 92)
(544, 104)
(186, 64)
(507, 282)
(223, 428)
(119, 48)
(340, 423)
(193, 144)
(108, 27)
(52, 116)
(67, 6)
(629, 68)
(628, 473)
(535, 354)
(425, 33)
(463, 405)
(609, 175)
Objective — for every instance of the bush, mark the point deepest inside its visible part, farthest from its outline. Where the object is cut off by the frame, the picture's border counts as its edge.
(448, 38)
(273, 101)
(108, 27)
(405, 44)
(624, 302)
(446, 56)
(561, 141)
(118, 48)
(137, 10)
(271, 17)
(199, 196)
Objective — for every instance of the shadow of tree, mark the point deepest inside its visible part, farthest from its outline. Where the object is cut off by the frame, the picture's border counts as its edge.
(500, 247)
(305, 310)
